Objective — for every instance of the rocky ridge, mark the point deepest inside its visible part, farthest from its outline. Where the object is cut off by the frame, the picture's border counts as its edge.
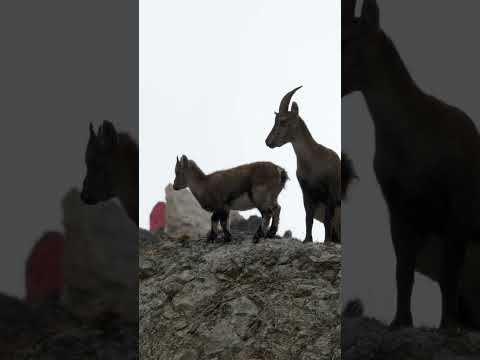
(366, 338)
(278, 299)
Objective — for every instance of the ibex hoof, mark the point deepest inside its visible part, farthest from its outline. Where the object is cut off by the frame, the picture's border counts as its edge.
(308, 239)
(271, 233)
(211, 237)
(450, 325)
(227, 237)
(398, 323)
(257, 237)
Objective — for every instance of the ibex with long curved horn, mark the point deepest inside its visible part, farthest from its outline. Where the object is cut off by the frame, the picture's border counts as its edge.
(319, 169)
(427, 162)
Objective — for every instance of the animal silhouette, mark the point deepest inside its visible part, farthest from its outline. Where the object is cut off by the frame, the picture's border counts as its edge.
(324, 179)
(427, 163)
(112, 169)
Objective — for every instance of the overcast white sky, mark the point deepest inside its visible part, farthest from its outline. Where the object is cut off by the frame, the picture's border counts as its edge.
(213, 72)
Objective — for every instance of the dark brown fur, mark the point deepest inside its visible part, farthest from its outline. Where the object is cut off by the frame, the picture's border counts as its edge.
(254, 185)
(112, 169)
(318, 169)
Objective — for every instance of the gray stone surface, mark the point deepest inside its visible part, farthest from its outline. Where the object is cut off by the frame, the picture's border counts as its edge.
(366, 338)
(101, 259)
(48, 331)
(278, 299)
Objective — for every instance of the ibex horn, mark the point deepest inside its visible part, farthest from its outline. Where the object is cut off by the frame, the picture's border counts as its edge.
(348, 9)
(286, 101)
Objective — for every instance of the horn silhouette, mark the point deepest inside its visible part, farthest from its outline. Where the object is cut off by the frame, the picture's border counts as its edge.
(348, 9)
(286, 100)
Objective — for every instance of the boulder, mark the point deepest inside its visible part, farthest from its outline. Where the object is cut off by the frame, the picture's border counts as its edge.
(101, 260)
(44, 272)
(185, 216)
(158, 217)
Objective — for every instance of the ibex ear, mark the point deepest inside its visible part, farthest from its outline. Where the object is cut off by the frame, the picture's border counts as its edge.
(294, 108)
(184, 161)
(92, 131)
(108, 135)
(371, 13)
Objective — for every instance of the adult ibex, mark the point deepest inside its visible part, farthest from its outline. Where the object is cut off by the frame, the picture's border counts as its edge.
(245, 187)
(427, 162)
(112, 169)
(318, 169)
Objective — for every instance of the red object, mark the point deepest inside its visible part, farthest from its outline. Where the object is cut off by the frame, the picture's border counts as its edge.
(44, 273)
(158, 217)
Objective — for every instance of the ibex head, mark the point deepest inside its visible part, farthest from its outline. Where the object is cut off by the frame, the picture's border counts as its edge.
(286, 122)
(181, 168)
(99, 181)
(359, 39)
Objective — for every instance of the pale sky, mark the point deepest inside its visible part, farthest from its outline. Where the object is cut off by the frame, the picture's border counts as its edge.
(213, 72)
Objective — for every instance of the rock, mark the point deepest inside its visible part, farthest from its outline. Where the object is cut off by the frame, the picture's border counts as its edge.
(17, 319)
(145, 235)
(366, 338)
(146, 267)
(44, 273)
(278, 299)
(101, 260)
(49, 332)
(249, 225)
(288, 234)
(185, 216)
(158, 217)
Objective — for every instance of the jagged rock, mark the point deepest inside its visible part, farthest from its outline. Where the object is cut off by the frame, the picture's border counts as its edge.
(365, 338)
(185, 216)
(17, 319)
(145, 235)
(101, 259)
(278, 299)
(48, 332)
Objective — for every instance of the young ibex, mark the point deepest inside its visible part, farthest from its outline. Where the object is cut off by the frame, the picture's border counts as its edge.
(112, 169)
(427, 162)
(255, 185)
(318, 169)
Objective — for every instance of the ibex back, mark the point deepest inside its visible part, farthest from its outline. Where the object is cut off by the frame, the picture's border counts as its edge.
(256, 185)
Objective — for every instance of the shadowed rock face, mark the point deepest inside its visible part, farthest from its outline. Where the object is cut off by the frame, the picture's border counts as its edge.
(48, 331)
(278, 299)
(366, 338)
(101, 260)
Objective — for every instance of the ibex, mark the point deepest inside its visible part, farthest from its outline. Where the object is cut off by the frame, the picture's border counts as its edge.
(427, 162)
(318, 169)
(256, 185)
(112, 169)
